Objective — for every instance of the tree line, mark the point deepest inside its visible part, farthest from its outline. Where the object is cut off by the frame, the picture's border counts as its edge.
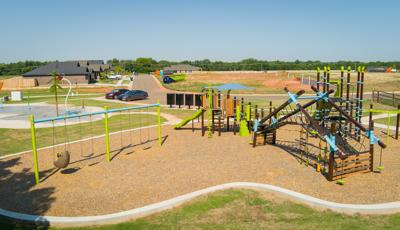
(19, 68)
(146, 65)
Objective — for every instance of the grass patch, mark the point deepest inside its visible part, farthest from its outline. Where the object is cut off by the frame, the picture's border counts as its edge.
(180, 113)
(43, 95)
(9, 137)
(178, 77)
(39, 91)
(385, 121)
(248, 209)
(126, 82)
(107, 81)
(50, 99)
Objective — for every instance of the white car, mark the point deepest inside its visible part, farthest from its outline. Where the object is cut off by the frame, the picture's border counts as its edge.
(116, 77)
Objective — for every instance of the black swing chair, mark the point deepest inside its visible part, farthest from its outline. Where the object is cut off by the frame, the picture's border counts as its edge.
(62, 158)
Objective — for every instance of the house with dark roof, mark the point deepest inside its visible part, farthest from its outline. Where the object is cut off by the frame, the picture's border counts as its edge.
(96, 67)
(181, 68)
(78, 72)
(376, 69)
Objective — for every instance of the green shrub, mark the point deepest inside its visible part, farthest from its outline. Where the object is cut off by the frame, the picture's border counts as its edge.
(178, 77)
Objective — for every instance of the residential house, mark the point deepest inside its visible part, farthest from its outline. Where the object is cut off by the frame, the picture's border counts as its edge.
(78, 72)
(181, 68)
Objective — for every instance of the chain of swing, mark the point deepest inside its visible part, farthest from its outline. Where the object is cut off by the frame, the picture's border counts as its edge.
(61, 159)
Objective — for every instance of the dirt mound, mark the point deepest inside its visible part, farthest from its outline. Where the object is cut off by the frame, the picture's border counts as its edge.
(293, 84)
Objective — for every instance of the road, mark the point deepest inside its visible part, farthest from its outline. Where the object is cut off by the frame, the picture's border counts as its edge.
(151, 85)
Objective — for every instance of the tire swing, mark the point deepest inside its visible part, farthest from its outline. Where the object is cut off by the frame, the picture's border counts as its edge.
(61, 159)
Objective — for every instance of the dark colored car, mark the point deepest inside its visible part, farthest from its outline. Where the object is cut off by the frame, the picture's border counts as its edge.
(167, 79)
(133, 95)
(115, 93)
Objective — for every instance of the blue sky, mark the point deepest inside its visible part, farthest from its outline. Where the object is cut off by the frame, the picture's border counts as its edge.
(188, 30)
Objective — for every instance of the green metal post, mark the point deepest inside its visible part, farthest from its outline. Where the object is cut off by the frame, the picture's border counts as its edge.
(35, 158)
(248, 112)
(210, 114)
(107, 134)
(238, 113)
(159, 122)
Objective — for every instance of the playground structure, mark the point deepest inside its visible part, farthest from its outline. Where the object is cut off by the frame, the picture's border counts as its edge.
(183, 170)
(219, 109)
(332, 138)
(62, 157)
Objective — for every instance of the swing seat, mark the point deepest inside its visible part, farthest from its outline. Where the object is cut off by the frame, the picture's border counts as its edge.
(62, 160)
(340, 182)
(380, 168)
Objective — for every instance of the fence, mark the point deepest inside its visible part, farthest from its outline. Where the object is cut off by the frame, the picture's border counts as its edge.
(386, 98)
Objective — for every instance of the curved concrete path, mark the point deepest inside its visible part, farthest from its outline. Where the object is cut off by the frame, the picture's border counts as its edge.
(383, 208)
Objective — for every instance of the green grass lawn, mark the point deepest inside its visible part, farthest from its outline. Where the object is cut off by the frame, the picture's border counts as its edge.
(385, 121)
(248, 209)
(36, 92)
(43, 95)
(126, 82)
(46, 92)
(50, 99)
(178, 77)
(107, 81)
(180, 113)
(9, 137)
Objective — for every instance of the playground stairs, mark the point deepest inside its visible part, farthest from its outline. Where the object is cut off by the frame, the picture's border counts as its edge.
(218, 121)
(265, 138)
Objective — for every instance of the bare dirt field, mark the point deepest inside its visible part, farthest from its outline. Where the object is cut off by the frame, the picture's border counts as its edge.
(147, 173)
(262, 82)
(275, 81)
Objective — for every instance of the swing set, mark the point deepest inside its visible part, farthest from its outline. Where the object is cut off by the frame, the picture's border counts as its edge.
(62, 158)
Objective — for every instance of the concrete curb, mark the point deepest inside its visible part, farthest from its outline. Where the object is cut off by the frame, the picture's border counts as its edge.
(383, 208)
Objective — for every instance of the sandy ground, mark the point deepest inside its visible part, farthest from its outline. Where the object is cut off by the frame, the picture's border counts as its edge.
(275, 81)
(147, 173)
(261, 81)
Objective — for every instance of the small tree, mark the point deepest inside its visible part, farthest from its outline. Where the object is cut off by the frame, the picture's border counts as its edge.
(55, 85)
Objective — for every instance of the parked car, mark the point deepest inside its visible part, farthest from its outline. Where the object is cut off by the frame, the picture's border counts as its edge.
(116, 77)
(115, 93)
(133, 95)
